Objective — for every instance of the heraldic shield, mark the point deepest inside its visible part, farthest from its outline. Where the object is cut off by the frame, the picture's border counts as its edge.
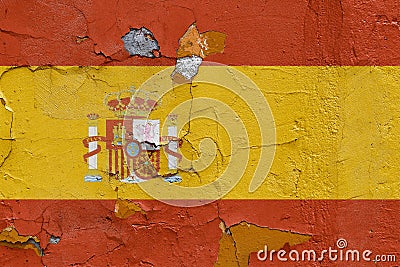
(132, 140)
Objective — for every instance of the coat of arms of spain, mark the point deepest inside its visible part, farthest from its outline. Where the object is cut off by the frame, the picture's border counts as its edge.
(133, 141)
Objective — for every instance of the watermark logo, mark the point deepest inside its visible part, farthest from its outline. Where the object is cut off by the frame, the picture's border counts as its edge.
(255, 131)
(341, 243)
(340, 253)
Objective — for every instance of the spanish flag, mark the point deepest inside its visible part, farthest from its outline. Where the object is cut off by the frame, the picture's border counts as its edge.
(172, 133)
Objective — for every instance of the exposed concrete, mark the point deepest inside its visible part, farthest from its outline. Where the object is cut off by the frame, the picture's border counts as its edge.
(187, 67)
(54, 239)
(141, 42)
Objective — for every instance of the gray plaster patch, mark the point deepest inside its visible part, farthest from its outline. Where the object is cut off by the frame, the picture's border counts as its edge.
(188, 67)
(54, 239)
(140, 42)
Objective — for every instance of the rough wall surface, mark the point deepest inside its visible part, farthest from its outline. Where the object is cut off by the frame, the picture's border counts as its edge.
(327, 70)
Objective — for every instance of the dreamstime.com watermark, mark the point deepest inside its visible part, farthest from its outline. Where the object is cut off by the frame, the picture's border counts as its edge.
(339, 253)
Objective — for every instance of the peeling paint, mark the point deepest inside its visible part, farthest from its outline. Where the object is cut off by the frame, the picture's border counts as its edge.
(193, 48)
(9, 237)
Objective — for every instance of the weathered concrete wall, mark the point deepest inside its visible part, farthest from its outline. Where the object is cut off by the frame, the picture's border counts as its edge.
(327, 74)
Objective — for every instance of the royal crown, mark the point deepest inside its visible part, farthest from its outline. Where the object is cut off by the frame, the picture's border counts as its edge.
(92, 116)
(132, 102)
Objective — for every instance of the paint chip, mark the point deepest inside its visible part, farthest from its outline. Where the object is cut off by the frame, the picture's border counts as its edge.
(54, 239)
(80, 39)
(194, 43)
(125, 208)
(186, 68)
(141, 42)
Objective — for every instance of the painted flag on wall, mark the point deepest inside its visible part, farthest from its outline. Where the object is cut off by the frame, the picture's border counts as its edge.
(199, 134)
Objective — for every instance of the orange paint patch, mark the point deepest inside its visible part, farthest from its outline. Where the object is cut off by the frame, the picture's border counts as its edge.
(198, 44)
(239, 241)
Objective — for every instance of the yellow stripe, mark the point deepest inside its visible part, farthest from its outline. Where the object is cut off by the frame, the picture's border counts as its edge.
(337, 132)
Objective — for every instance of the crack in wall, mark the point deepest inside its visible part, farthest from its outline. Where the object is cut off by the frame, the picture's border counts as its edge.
(7, 124)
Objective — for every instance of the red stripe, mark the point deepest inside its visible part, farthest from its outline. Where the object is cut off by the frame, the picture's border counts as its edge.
(122, 164)
(166, 235)
(110, 161)
(116, 161)
(278, 32)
